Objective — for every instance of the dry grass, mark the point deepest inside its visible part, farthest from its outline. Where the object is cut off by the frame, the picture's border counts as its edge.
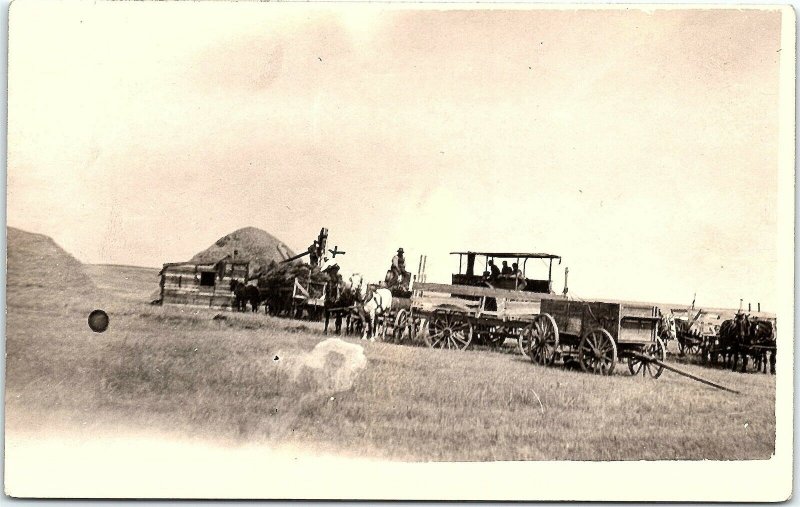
(136, 284)
(178, 369)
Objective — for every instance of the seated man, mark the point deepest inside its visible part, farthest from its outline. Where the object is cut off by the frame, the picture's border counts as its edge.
(401, 277)
(495, 271)
(506, 269)
(519, 277)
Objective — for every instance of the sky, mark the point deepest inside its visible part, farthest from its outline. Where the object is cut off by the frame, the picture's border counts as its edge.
(641, 146)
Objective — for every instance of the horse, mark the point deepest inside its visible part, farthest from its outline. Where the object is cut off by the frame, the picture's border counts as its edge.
(371, 302)
(245, 293)
(666, 327)
(339, 299)
(762, 337)
(734, 341)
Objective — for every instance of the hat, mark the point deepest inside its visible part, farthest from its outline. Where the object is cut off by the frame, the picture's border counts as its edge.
(399, 250)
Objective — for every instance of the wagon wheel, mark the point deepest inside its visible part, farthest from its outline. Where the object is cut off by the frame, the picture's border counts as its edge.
(524, 340)
(543, 339)
(694, 346)
(446, 331)
(681, 346)
(656, 350)
(402, 329)
(418, 329)
(597, 352)
(382, 323)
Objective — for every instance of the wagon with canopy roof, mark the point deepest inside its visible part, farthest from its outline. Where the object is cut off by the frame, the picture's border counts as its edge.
(489, 309)
(478, 307)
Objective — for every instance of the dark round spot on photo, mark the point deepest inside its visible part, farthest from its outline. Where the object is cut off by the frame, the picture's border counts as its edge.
(98, 321)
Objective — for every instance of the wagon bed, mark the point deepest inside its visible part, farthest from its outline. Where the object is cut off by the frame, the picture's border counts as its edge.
(454, 316)
(597, 334)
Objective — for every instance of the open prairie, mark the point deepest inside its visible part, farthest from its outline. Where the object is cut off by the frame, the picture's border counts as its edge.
(178, 369)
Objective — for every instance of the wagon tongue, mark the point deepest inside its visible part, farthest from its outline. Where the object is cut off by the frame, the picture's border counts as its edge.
(650, 359)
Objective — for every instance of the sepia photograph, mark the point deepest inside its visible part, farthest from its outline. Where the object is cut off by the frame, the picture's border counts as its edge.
(412, 251)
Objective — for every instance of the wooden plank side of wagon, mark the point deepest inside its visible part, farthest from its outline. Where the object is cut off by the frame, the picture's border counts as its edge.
(638, 323)
(576, 318)
(510, 305)
(428, 303)
(468, 290)
(626, 322)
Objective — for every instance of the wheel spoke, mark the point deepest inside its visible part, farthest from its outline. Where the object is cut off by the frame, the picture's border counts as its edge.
(437, 333)
(592, 346)
(437, 339)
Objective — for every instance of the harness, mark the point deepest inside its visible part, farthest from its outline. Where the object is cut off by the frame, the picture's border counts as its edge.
(373, 295)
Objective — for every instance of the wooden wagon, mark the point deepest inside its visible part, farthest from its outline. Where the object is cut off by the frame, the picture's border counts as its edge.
(695, 330)
(483, 305)
(454, 316)
(395, 323)
(597, 334)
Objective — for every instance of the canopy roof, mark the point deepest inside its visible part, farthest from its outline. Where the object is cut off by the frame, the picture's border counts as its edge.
(511, 255)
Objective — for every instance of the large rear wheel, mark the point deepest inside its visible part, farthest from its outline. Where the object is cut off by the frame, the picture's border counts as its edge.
(597, 352)
(543, 336)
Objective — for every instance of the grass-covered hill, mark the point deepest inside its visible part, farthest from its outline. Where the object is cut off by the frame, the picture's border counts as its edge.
(42, 275)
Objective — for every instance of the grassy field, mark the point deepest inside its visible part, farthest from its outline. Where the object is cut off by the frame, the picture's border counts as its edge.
(133, 283)
(178, 369)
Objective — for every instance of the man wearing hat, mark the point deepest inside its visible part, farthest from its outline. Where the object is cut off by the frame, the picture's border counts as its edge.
(399, 268)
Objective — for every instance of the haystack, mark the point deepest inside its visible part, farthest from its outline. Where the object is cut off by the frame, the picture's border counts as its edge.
(258, 247)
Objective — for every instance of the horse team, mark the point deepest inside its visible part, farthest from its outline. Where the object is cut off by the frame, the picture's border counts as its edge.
(744, 337)
(354, 301)
(737, 341)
